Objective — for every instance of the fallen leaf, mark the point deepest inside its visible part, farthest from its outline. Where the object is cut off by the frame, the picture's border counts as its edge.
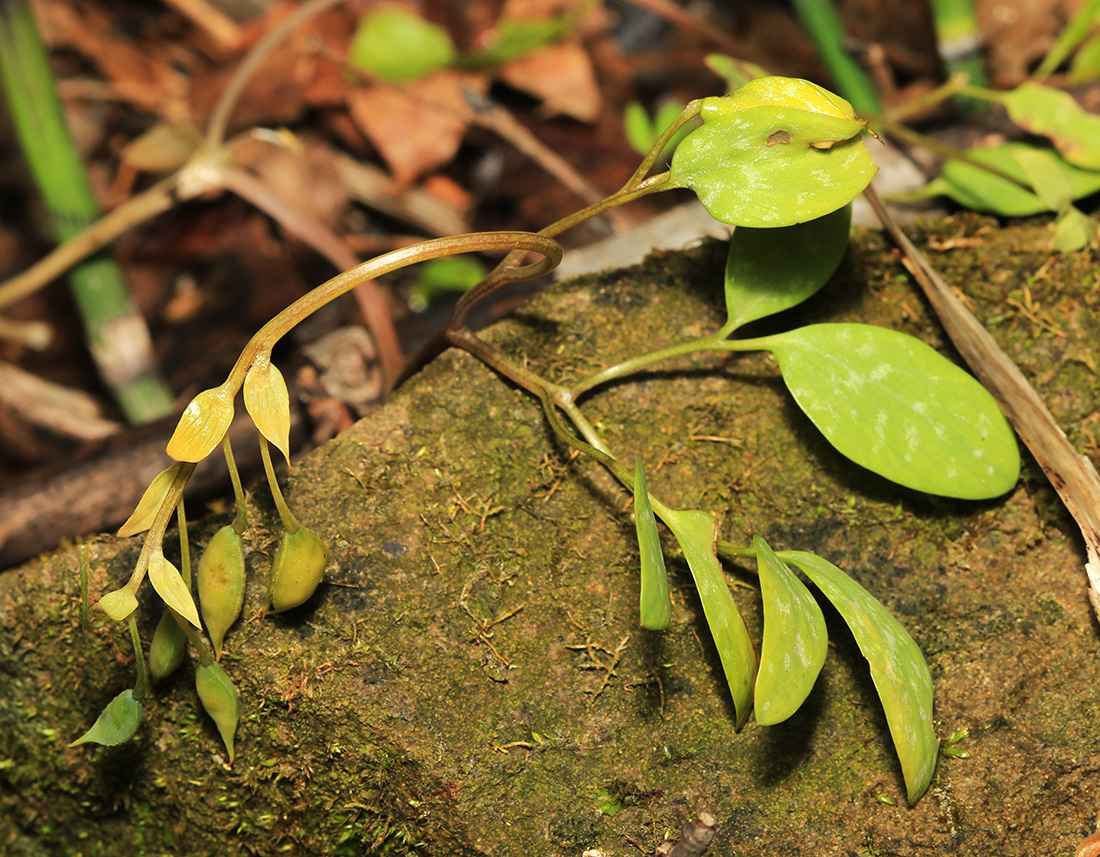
(418, 126)
(562, 76)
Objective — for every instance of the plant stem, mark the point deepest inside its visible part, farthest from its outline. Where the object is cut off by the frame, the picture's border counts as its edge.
(240, 519)
(141, 685)
(154, 539)
(289, 519)
(117, 335)
(960, 44)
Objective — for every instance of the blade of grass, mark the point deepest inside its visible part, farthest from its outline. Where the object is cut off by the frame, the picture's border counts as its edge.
(117, 335)
(826, 31)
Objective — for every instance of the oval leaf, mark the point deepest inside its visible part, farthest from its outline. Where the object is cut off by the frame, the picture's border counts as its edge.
(117, 723)
(268, 403)
(898, 668)
(202, 424)
(770, 270)
(894, 405)
(169, 585)
(795, 639)
(980, 190)
(655, 606)
(1056, 114)
(399, 45)
(117, 605)
(773, 166)
(150, 503)
(696, 532)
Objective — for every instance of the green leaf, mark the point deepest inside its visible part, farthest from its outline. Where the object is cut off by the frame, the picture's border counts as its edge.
(980, 190)
(169, 585)
(117, 723)
(1056, 114)
(638, 127)
(655, 606)
(894, 405)
(736, 73)
(696, 532)
(773, 166)
(770, 270)
(399, 46)
(1073, 230)
(900, 674)
(518, 38)
(795, 639)
(1048, 177)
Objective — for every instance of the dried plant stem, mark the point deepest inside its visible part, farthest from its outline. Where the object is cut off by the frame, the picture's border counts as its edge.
(1071, 474)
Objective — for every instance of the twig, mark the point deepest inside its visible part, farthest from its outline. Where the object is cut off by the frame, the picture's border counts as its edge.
(1073, 476)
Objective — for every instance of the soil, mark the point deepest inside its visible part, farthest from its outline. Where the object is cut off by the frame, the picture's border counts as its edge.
(471, 678)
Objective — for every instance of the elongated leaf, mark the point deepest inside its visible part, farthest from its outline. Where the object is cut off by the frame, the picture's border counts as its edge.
(202, 424)
(696, 532)
(972, 187)
(268, 403)
(898, 668)
(150, 503)
(168, 583)
(654, 604)
(773, 166)
(770, 270)
(1056, 114)
(795, 639)
(117, 723)
(894, 405)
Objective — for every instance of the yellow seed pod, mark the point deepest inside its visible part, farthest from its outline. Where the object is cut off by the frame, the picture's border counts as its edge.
(202, 425)
(268, 403)
(298, 568)
(776, 91)
(167, 648)
(117, 605)
(221, 584)
(219, 697)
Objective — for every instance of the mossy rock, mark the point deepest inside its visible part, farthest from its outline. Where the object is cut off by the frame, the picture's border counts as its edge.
(472, 679)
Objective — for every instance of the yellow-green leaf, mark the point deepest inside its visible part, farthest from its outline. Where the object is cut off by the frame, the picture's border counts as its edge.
(268, 403)
(150, 503)
(202, 425)
(696, 532)
(168, 582)
(1056, 114)
(795, 639)
(898, 669)
(117, 605)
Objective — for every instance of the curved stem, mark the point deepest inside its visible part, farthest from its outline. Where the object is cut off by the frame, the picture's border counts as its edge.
(154, 539)
(289, 519)
(281, 324)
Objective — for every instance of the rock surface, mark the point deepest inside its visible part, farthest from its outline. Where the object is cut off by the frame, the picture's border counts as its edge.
(472, 680)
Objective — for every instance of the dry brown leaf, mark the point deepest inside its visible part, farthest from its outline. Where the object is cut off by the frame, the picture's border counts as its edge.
(142, 78)
(420, 126)
(562, 76)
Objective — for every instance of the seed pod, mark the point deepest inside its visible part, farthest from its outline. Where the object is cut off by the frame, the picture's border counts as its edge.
(219, 698)
(167, 647)
(297, 570)
(221, 584)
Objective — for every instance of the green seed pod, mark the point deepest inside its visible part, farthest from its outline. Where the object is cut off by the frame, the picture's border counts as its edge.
(298, 567)
(221, 584)
(167, 647)
(219, 698)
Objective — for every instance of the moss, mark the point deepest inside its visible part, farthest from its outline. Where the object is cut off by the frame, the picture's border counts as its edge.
(472, 679)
